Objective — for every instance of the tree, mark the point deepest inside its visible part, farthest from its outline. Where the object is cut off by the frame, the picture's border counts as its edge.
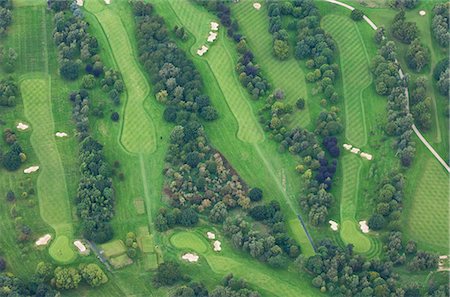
(11, 161)
(255, 194)
(2, 264)
(115, 116)
(44, 271)
(5, 19)
(417, 56)
(376, 222)
(168, 273)
(281, 49)
(10, 196)
(187, 217)
(300, 103)
(218, 213)
(443, 83)
(69, 70)
(93, 274)
(402, 30)
(88, 81)
(66, 278)
(184, 291)
(357, 15)
(440, 23)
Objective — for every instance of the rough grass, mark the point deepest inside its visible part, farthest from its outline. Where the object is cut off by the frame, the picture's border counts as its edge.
(140, 206)
(138, 131)
(427, 211)
(51, 184)
(192, 241)
(113, 248)
(150, 262)
(355, 74)
(61, 250)
(120, 261)
(222, 64)
(287, 74)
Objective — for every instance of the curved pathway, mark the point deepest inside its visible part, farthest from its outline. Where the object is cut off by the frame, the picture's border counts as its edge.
(416, 131)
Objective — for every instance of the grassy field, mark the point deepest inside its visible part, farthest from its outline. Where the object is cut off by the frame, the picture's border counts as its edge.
(287, 74)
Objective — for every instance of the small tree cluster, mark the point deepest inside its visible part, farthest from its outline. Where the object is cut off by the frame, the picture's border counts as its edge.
(5, 16)
(417, 56)
(280, 36)
(8, 59)
(440, 23)
(420, 104)
(404, 31)
(9, 92)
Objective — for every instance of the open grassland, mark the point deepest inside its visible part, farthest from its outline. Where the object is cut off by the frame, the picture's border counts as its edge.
(269, 281)
(427, 206)
(51, 184)
(275, 172)
(138, 132)
(287, 74)
(222, 65)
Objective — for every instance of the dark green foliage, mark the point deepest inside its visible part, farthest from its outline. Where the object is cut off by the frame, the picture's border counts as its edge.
(140, 8)
(357, 15)
(423, 261)
(167, 274)
(2, 264)
(5, 19)
(402, 30)
(417, 56)
(9, 92)
(255, 194)
(115, 116)
(10, 196)
(440, 67)
(376, 222)
(441, 23)
(300, 103)
(11, 160)
(408, 4)
(58, 5)
(420, 104)
(69, 70)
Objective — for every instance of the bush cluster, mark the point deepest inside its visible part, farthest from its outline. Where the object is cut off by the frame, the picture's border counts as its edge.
(440, 23)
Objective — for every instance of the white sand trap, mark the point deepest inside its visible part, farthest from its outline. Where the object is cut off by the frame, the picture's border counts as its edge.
(31, 169)
(108, 1)
(44, 240)
(355, 150)
(422, 12)
(80, 2)
(364, 227)
(190, 257)
(217, 247)
(367, 156)
(212, 36)
(214, 26)
(333, 225)
(61, 134)
(211, 235)
(80, 246)
(22, 126)
(347, 146)
(202, 51)
(257, 6)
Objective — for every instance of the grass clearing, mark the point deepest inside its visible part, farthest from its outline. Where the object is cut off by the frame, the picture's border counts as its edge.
(138, 130)
(150, 261)
(285, 74)
(54, 202)
(113, 248)
(140, 206)
(120, 261)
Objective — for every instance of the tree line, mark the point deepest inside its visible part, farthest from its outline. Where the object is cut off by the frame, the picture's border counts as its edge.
(280, 42)
(5, 15)
(440, 24)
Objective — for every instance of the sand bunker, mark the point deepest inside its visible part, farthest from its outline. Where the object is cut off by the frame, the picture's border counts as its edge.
(80, 246)
(80, 2)
(364, 227)
(108, 1)
(44, 240)
(212, 36)
(61, 134)
(257, 6)
(355, 150)
(22, 126)
(214, 26)
(202, 51)
(347, 146)
(211, 235)
(367, 156)
(190, 257)
(217, 247)
(422, 12)
(333, 225)
(31, 169)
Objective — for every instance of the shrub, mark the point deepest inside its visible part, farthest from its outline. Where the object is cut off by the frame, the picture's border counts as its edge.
(356, 15)
(115, 116)
(255, 194)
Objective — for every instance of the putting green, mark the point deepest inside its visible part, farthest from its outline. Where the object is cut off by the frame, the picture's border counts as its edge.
(186, 240)
(222, 63)
(138, 130)
(350, 233)
(54, 203)
(61, 250)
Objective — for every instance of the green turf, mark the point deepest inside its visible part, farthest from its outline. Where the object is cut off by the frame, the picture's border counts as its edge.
(145, 240)
(150, 261)
(138, 131)
(140, 206)
(222, 65)
(61, 250)
(51, 184)
(287, 74)
(113, 248)
(120, 261)
(185, 240)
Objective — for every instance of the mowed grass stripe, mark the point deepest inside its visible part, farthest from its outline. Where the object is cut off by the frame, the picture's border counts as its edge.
(27, 34)
(222, 63)
(428, 217)
(355, 74)
(138, 131)
(51, 184)
(349, 229)
(286, 74)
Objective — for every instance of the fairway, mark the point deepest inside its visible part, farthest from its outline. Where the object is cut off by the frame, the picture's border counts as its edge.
(222, 63)
(428, 216)
(188, 240)
(355, 74)
(138, 131)
(51, 184)
(287, 74)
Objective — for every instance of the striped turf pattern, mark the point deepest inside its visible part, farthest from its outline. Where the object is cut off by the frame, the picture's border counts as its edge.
(428, 217)
(356, 77)
(286, 75)
(222, 63)
(138, 130)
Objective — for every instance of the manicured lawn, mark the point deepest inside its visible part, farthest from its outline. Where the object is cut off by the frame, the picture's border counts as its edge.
(62, 250)
(287, 74)
(189, 240)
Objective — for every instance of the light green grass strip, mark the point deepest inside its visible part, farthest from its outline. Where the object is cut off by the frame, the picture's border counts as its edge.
(138, 131)
(286, 74)
(51, 184)
(428, 216)
(21, 3)
(222, 64)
